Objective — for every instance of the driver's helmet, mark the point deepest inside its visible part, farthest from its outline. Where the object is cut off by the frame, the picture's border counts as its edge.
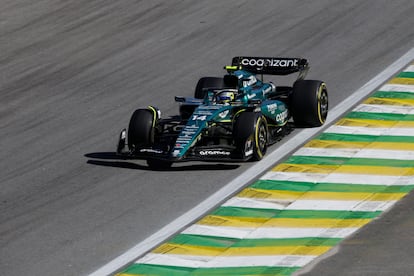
(225, 97)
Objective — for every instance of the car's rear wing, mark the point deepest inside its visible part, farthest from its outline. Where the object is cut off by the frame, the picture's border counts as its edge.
(272, 65)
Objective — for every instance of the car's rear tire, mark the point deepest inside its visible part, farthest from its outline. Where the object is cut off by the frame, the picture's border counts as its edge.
(207, 82)
(141, 129)
(251, 135)
(309, 103)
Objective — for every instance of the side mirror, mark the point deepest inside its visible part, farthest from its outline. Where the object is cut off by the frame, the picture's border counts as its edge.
(180, 99)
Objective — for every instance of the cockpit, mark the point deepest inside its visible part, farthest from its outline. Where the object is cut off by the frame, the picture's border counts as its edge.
(225, 96)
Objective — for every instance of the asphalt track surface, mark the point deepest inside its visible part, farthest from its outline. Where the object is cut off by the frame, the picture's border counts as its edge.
(72, 72)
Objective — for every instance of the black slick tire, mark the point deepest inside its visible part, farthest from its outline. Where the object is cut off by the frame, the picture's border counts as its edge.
(141, 129)
(309, 103)
(207, 82)
(251, 135)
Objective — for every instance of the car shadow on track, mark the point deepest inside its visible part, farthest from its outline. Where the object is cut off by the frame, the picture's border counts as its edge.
(111, 159)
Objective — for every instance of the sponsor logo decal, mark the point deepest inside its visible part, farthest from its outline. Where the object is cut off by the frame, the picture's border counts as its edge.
(199, 118)
(207, 107)
(184, 139)
(188, 133)
(213, 152)
(151, 150)
(282, 116)
(178, 128)
(223, 114)
(270, 62)
(203, 112)
(248, 148)
(272, 108)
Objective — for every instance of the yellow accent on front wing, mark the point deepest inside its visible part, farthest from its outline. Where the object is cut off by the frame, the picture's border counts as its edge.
(154, 114)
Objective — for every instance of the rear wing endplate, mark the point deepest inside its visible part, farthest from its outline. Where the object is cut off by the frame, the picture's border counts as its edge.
(272, 65)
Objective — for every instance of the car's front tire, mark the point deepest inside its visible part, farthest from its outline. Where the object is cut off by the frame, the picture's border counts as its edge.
(141, 129)
(251, 135)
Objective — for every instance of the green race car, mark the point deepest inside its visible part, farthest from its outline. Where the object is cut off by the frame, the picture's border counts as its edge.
(234, 118)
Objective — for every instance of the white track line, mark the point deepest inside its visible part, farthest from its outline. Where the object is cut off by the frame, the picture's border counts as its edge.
(397, 88)
(382, 108)
(340, 178)
(226, 261)
(268, 232)
(280, 152)
(395, 131)
(364, 205)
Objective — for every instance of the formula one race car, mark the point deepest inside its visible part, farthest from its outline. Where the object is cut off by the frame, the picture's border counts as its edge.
(234, 118)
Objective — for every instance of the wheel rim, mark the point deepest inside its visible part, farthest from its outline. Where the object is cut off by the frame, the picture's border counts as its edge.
(323, 104)
(261, 138)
